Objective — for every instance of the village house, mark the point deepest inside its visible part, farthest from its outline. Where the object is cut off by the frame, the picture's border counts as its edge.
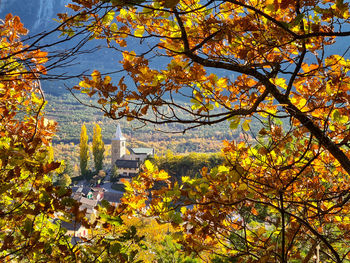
(88, 197)
(75, 230)
(112, 197)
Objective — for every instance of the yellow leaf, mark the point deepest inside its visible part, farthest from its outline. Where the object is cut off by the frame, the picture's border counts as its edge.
(95, 75)
(261, 231)
(149, 166)
(162, 175)
(107, 80)
(223, 169)
(245, 125)
(84, 84)
(281, 82)
(139, 31)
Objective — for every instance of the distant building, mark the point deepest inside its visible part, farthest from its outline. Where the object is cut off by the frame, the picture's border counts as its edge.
(141, 154)
(80, 191)
(88, 204)
(118, 145)
(127, 168)
(127, 164)
(87, 192)
(112, 198)
(75, 230)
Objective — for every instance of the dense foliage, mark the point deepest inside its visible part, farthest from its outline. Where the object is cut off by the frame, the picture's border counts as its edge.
(28, 200)
(281, 193)
(33, 210)
(283, 198)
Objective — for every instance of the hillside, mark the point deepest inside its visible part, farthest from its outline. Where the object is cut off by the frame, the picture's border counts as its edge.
(70, 115)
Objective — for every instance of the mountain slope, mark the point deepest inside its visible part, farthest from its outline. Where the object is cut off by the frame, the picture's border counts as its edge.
(37, 15)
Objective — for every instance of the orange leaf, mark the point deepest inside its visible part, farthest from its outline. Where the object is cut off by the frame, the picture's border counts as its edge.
(254, 211)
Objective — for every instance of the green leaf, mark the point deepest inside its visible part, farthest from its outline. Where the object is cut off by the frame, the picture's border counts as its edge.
(234, 176)
(28, 226)
(143, 246)
(210, 106)
(242, 187)
(115, 248)
(176, 218)
(105, 203)
(335, 115)
(297, 19)
(234, 124)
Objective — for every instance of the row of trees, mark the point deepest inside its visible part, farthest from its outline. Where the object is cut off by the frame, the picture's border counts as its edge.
(186, 165)
(98, 149)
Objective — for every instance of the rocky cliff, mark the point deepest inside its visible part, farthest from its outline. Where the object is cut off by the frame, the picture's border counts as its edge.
(35, 14)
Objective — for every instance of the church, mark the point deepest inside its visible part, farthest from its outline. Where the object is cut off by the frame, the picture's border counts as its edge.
(127, 164)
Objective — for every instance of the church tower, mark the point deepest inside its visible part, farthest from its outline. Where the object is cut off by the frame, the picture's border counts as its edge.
(118, 145)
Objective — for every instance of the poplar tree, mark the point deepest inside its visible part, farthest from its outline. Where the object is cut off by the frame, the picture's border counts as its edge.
(98, 147)
(84, 150)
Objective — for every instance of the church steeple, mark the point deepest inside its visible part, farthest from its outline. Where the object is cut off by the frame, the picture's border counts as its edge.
(118, 134)
(118, 146)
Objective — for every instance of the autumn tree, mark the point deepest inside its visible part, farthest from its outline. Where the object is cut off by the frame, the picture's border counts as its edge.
(281, 196)
(98, 148)
(28, 199)
(84, 150)
(31, 207)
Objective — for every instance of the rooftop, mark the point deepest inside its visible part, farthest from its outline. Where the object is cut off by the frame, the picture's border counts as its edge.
(112, 197)
(70, 226)
(98, 189)
(88, 202)
(148, 151)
